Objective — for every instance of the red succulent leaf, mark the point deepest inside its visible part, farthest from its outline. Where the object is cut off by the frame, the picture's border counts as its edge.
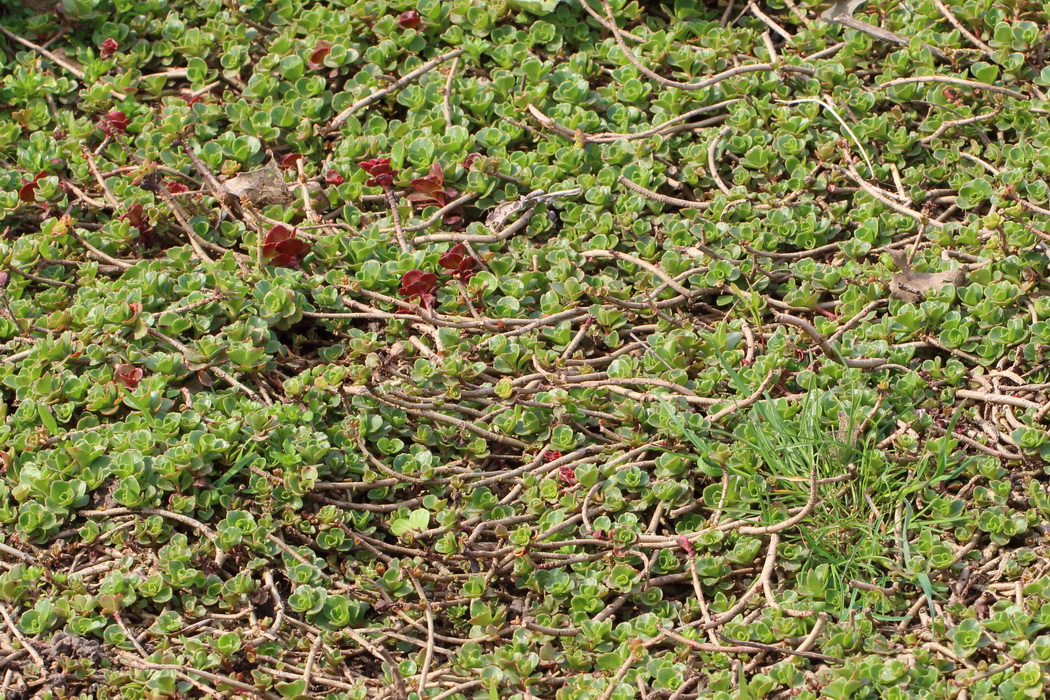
(416, 283)
(409, 19)
(317, 56)
(431, 188)
(432, 182)
(551, 455)
(118, 121)
(290, 159)
(381, 172)
(282, 248)
(386, 181)
(333, 178)
(567, 474)
(177, 188)
(115, 122)
(290, 253)
(27, 192)
(452, 259)
(3, 279)
(194, 99)
(109, 46)
(374, 166)
(461, 264)
(418, 198)
(136, 217)
(129, 375)
(278, 233)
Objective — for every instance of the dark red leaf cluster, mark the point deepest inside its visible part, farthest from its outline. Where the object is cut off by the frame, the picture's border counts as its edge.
(289, 160)
(409, 19)
(129, 375)
(282, 248)
(136, 216)
(115, 122)
(567, 475)
(177, 187)
(416, 283)
(430, 189)
(551, 455)
(321, 49)
(381, 172)
(27, 192)
(333, 178)
(109, 46)
(460, 263)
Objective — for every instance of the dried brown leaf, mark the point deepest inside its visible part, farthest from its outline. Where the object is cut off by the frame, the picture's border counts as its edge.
(263, 187)
(911, 286)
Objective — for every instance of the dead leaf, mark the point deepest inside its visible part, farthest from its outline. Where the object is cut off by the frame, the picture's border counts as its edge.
(910, 286)
(841, 8)
(502, 212)
(263, 187)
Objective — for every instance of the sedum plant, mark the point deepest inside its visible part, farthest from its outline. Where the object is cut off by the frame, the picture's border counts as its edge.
(579, 349)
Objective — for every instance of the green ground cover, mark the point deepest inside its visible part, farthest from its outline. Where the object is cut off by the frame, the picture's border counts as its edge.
(524, 349)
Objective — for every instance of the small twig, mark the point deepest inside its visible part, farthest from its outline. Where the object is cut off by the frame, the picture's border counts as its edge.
(223, 374)
(656, 271)
(949, 124)
(611, 136)
(834, 113)
(310, 660)
(781, 650)
(187, 672)
(860, 316)
(632, 657)
(7, 549)
(123, 265)
(663, 199)
(888, 199)
(767, 571)
(211, 535)
(436, 216)
(717, 78)
(41, 280)
(22, 638)
(749, 401)
(341, 118)
(711, 159)
(93, 167)
(605, 23)
(446, 103)
(768, 21)
(184, 221)
(884, 34)
(825, 347)
(129, 634)
(961, 82)
(997, 398)
(58, 60)
(954, 21)
(391, 201)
